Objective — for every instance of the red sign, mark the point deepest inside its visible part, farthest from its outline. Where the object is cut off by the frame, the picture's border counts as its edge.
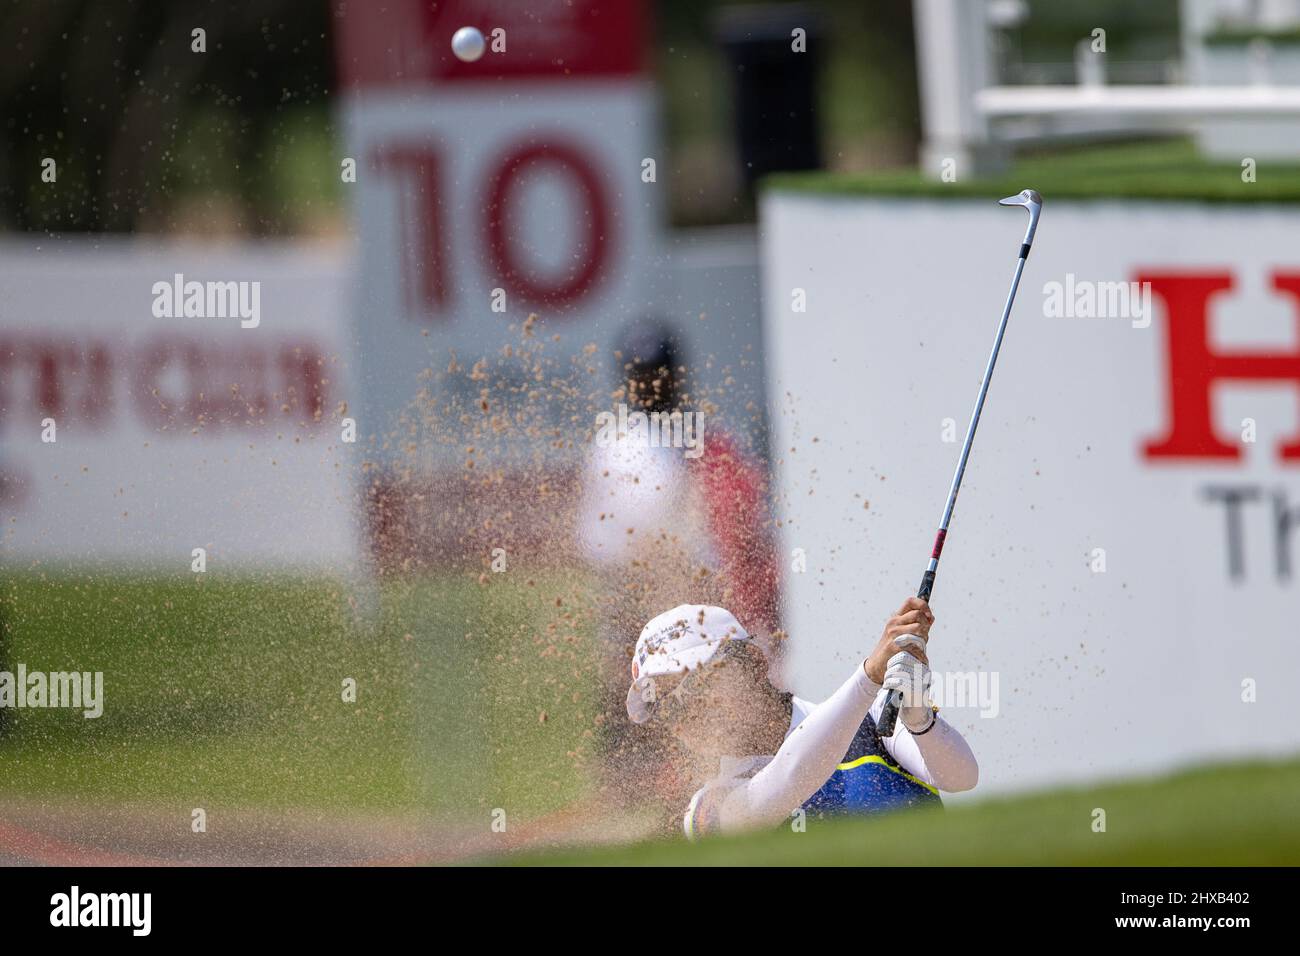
(1194, 369)
(408, 42)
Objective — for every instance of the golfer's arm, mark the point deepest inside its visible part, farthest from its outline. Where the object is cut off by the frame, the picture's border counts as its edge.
(941, 757)
(805, 761)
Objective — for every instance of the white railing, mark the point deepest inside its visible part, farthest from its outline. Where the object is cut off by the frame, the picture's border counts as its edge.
(1200, 101)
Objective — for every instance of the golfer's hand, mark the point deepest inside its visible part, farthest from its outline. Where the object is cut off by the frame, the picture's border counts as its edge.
(910, 676)
(907, 631)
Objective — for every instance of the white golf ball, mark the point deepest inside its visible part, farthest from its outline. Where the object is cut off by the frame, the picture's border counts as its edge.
(467, 43)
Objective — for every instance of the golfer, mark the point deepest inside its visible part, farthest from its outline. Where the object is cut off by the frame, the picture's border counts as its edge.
(766, 753)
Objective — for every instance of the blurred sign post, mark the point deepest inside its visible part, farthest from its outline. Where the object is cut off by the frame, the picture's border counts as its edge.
(953, 64)
(490, 190)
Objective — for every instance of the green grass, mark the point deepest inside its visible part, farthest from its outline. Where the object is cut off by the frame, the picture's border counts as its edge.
(1161, 170)
(1232, 815)
(1288, 36)
(230, 691)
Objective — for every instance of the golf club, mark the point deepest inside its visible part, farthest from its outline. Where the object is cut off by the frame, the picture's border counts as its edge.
(1033, 202)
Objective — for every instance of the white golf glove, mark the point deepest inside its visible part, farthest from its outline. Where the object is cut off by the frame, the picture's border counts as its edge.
(911, 677)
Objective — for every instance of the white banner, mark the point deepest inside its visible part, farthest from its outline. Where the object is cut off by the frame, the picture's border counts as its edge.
(157, 398)
(1119, 591)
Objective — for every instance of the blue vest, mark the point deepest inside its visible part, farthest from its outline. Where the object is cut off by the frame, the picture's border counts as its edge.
(868, 780)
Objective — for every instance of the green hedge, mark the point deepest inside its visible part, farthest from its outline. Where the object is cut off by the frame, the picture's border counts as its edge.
(1159, 170)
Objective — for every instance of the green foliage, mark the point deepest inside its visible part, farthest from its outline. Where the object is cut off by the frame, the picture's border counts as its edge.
(1160, 170)
(141, 125)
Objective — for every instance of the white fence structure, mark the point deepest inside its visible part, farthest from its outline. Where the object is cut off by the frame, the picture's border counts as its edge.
(1243, 99)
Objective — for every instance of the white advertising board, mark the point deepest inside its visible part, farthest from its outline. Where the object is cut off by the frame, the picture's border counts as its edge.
(174, 430)
(1125, 553)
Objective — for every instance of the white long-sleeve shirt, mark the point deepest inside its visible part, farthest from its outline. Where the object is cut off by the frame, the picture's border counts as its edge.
(764, 790)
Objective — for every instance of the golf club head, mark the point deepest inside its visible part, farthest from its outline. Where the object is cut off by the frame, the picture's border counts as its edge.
(1032, 201)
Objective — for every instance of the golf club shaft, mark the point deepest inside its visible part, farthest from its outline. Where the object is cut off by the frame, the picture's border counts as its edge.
(889, 714)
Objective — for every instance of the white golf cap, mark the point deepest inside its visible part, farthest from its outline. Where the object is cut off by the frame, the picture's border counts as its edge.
(675, 642)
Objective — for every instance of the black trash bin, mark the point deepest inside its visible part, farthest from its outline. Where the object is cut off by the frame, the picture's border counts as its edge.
(774, 88)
